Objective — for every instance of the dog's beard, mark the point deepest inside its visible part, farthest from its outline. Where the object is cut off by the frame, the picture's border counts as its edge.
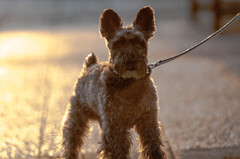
(131, 74)
(137, 73)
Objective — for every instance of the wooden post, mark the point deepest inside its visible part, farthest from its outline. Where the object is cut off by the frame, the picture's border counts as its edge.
(217, 14)
(194, 9)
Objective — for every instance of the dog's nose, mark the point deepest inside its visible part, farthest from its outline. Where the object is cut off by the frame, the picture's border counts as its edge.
(132, 56)
(131, 65)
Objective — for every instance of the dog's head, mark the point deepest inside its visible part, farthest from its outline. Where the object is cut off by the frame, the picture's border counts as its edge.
(128, 45)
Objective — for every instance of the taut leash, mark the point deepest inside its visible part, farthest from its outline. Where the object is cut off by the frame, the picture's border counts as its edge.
(161, 62)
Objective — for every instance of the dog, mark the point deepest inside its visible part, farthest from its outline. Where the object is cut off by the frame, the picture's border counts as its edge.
(119, 93)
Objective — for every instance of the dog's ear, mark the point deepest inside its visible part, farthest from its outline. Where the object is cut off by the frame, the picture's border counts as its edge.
(110, 22)
(145, 21)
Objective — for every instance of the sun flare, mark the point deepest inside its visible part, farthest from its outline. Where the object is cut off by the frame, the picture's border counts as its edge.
(3, 71)
(27, 44)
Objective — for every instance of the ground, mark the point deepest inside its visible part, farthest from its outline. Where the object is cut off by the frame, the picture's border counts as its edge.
(198, 93)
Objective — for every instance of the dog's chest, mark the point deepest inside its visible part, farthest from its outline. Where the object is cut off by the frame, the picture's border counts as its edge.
(126, 100)
(127, 92)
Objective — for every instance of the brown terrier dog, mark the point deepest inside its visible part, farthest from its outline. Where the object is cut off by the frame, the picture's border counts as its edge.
(119, 93)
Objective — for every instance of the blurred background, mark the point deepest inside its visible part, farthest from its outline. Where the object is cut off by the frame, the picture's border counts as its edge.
(43, 44)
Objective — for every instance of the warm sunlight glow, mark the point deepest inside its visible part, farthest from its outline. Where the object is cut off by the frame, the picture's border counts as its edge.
(35, 87)
(27, 92)
(33, 44)
(3, 71)
(8, 97)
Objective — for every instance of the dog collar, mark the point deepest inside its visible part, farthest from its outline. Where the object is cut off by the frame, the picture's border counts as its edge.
(147, 74)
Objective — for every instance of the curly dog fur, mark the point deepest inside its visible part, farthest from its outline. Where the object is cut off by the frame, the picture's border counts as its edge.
(118, 93)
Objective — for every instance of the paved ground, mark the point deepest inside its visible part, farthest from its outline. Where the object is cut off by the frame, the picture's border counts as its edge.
(199, 93)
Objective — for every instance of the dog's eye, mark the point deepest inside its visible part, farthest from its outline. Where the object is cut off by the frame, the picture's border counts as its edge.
(134, 41)
(138, 47)
(118, 43)
(121, 41)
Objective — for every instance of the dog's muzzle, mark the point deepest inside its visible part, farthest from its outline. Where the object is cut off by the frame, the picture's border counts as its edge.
(131, 70)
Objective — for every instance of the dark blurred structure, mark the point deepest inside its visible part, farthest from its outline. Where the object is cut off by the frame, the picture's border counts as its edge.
(220, 8)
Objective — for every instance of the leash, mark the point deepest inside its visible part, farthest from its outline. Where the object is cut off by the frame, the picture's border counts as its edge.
(161, 62)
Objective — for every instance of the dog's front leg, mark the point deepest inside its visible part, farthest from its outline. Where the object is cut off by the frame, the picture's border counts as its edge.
(74, 129)
(151, 144)
(116, 138)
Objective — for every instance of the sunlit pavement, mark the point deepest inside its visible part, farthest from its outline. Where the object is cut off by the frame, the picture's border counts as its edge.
(199, 94)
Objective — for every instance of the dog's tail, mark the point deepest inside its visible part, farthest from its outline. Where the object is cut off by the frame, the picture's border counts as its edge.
(90, 60)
